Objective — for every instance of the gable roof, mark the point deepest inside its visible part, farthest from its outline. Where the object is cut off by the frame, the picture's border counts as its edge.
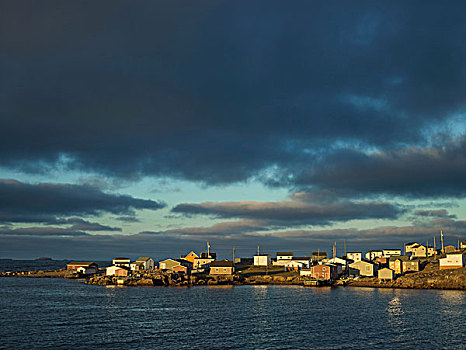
(143, 258)
(285, 253)
(222, 263)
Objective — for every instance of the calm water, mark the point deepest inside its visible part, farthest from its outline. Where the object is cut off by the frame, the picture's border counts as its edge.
(66, 314)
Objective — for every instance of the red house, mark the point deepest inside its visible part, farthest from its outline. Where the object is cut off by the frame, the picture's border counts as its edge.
(324, 272)
(74, 265)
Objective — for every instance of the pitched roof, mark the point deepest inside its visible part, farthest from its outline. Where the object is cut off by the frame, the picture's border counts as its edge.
(120, 258)
(300, 258)
(285, 253)
(222, 263)
(143, 258)
(399, 257)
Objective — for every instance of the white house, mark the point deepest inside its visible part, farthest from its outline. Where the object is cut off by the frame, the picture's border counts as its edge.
(305, 272)
(143, 263)
(374, 254)
(117, 271)
(284, 256)
(126, 262)
(453, 261)
(262, 260)
(87, 270)
(387, 253)
(355, 256)
(365, 268)
(340, 261)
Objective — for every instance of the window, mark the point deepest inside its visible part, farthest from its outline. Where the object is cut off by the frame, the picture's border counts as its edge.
(323, 269)
(224, 270)
(216, 270)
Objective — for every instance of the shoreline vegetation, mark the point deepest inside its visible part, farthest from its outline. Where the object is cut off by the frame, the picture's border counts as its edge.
(429, 278)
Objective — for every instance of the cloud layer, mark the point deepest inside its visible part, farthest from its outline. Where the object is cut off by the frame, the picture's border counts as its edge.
(152, 89)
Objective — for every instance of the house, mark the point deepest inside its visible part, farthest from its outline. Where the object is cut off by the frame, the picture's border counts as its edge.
(463, 245)
(341, 261)
(304, 260)
(223, 267)
(122, 262)
(190, 257)
(453, 261)
(262, 260)
(203, 261)
(374, 254)
(318, 256)
(355, 256)
(88, 265)
(411, 265)
(284, 256)
(396, 263)
(324, 272)
(386, 274)
(450, 249)
(181, 269)
(305, 272)
(168, 264)
(391, 252)
(366, 268)
(145, 263)
(117, 271)
(297, 263)
(382, 261)
(410, 246)
(422, 251)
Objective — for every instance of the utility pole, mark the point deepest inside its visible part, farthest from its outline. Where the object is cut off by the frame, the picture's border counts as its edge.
(208, 250)
(434, 244)
(258, 250)
(344, 243)
(441, 238)
(233, 255)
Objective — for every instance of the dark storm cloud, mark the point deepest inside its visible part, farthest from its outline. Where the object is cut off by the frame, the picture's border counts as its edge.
(220, 91)
(440, 213)
(84, 225)
(298, 210)
(23, 202)
(434, 171)
(42, 232)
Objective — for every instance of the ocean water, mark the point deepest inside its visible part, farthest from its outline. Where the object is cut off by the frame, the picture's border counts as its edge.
(67, 314)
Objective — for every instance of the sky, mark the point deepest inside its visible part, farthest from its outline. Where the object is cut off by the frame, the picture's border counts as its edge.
(148, 128)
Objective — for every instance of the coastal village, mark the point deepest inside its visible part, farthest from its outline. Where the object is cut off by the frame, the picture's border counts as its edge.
(317, 269)
(415, 265)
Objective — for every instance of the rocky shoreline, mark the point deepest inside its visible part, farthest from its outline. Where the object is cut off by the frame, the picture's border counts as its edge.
(427, 279)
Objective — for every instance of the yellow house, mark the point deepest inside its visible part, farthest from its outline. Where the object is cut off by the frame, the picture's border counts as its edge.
(223, 267)
(190, 257)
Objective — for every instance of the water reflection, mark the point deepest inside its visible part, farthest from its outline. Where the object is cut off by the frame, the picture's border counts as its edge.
(452, 302)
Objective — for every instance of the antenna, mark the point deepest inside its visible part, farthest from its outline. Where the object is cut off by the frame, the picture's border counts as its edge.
(344, 242)
(208, 250)
(233, 255)
(258, 249)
